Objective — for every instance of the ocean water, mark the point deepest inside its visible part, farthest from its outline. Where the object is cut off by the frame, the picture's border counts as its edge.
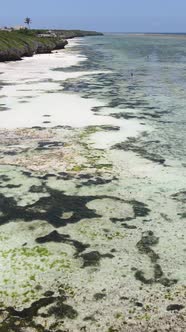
(92, 187)
(147, 76)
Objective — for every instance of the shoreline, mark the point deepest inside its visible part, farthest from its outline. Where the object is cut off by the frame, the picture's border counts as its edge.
(88, 232)
(76, 111)
(14, 45)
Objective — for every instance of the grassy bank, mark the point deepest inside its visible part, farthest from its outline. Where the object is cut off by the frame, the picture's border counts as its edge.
(16, 44)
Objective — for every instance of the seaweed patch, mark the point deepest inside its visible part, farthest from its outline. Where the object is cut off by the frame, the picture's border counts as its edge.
(19, 320)
(43, 145)
(63, 238)
(93, 258)
(144, 246)
(131, 144)
(49, 209)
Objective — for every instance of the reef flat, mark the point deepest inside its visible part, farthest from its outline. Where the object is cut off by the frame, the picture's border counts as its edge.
(72, 243)
(91, 220)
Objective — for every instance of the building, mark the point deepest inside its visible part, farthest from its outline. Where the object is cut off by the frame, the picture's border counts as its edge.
(19, 27)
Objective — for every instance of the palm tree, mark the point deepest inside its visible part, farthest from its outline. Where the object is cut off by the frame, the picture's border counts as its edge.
(28, 21)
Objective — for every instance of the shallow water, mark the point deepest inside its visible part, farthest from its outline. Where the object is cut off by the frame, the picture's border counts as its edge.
(156, 90)
(92, 187)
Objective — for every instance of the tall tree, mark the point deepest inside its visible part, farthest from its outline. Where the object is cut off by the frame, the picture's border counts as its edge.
(28, 21)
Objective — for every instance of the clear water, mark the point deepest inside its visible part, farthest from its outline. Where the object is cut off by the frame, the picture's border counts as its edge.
(147, 75)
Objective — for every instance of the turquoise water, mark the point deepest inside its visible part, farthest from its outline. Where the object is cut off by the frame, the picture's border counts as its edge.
(147, 75)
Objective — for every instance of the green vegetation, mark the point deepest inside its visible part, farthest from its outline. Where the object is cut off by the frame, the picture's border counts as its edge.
(75, 33)
(16, 44)
(15, 39)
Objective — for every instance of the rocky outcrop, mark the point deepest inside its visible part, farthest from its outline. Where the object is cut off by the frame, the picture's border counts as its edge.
(68, 34)
(27, 50)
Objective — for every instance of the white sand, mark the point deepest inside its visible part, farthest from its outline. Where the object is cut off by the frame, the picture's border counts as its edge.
(34, 97)
(26, 95)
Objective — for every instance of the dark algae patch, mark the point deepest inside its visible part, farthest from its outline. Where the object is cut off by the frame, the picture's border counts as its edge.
(36, 189)
(144, 245)
(180, 197)
(94, 181)
(140, 208)
(48, 208)
(43, 145)
(147, 241)
(19, 320)
(93, 258)
(4, 178)
(61, 310)
(132, 144)
(52, 207)
(63, 238)
(99, 296)
(10, 186)
(128, 226)
(32, 311)
(175, 307)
